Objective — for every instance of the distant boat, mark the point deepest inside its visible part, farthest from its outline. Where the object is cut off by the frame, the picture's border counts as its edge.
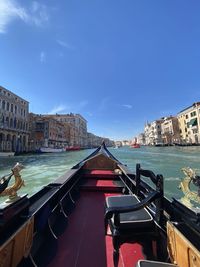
(7, 154)
(50, 150)
(135, 146)
(72, 148)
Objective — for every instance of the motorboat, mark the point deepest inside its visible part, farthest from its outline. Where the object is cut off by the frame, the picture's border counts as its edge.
(51, 150)
(7, 154)
(135, 146)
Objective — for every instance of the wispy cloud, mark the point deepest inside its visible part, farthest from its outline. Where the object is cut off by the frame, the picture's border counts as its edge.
(127, 106)
(10, 10)
(59, 109)
(103, 104)
(65, 108)
(42, 57)
(65, 44)
(38, 14)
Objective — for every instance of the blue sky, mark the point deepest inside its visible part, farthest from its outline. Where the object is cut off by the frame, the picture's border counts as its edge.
(118, 63)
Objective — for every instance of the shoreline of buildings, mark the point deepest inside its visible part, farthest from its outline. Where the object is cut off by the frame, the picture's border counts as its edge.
(181, 130)
(23, 132)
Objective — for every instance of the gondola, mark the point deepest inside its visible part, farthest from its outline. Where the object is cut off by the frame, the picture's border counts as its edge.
(100, 214)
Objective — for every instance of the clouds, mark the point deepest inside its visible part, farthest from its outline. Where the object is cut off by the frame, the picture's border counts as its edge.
(10, 10)
(65, 44)
(65, 108)
(59, 109)
(42, 57)
(127, 106)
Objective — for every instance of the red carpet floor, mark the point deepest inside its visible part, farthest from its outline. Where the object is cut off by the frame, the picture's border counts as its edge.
(84, 244)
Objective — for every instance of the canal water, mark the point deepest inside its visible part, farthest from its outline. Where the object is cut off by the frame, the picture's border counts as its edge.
(41, 169)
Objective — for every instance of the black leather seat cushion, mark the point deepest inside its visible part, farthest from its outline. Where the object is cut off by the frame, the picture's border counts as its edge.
(130, 220)
(146, 263)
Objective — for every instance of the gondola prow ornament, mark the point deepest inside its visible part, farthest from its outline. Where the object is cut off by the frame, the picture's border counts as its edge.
(185, 187)
(11, 191)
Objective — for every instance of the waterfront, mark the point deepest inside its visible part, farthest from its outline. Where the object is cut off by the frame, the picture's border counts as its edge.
(41, 169)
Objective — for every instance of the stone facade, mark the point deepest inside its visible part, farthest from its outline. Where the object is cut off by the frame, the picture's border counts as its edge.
(78, 128)
(45, 131)
(189, 124)
(170, 131)
(153, 133)
(141, 139)
(95, 141)
(13, 122)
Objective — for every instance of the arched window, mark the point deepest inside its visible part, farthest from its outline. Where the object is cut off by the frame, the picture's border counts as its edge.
(3, 104)
(15, 123)
(7, 106)
(11, 123)
(7, 122)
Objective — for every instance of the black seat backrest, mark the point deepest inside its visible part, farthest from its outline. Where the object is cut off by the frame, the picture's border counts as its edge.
(158, 182)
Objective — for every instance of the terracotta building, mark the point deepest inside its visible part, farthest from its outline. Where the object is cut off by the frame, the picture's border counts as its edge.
(45, 131)
(78, 128)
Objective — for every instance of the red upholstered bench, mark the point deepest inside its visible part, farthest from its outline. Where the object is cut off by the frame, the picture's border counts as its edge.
(104, 174)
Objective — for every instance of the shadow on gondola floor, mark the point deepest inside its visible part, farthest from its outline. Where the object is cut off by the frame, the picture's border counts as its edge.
(81, 238)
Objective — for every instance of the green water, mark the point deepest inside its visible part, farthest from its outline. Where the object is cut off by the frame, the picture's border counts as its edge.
(41, 169)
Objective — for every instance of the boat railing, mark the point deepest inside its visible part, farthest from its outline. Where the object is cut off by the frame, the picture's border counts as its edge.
(128, 180)
(135, 185)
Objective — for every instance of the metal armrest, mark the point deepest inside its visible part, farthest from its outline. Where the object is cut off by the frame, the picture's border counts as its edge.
(142, 204)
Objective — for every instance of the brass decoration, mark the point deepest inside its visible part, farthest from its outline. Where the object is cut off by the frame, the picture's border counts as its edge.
(11, 191)
(118, 171)
(185, 187)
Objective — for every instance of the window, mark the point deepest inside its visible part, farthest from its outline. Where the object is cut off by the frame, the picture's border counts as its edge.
(3, 104)
(192, 114)
(11, 123)
(7, 121)
(15, 123)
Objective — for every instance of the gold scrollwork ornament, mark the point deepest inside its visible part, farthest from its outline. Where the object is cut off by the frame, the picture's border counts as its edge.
(185, 187)
(11, 191)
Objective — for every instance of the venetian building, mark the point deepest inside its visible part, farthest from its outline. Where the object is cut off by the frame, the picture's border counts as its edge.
(152, 133)
(189, 121)
(108, 142)
(141, 139)
(47, 132)
(96, 141)
(78, 128)
(147, 133)
(13, 122)
(170, 131)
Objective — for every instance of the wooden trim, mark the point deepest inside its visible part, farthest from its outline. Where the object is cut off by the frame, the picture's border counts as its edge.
(182, 252)
(17, 246)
